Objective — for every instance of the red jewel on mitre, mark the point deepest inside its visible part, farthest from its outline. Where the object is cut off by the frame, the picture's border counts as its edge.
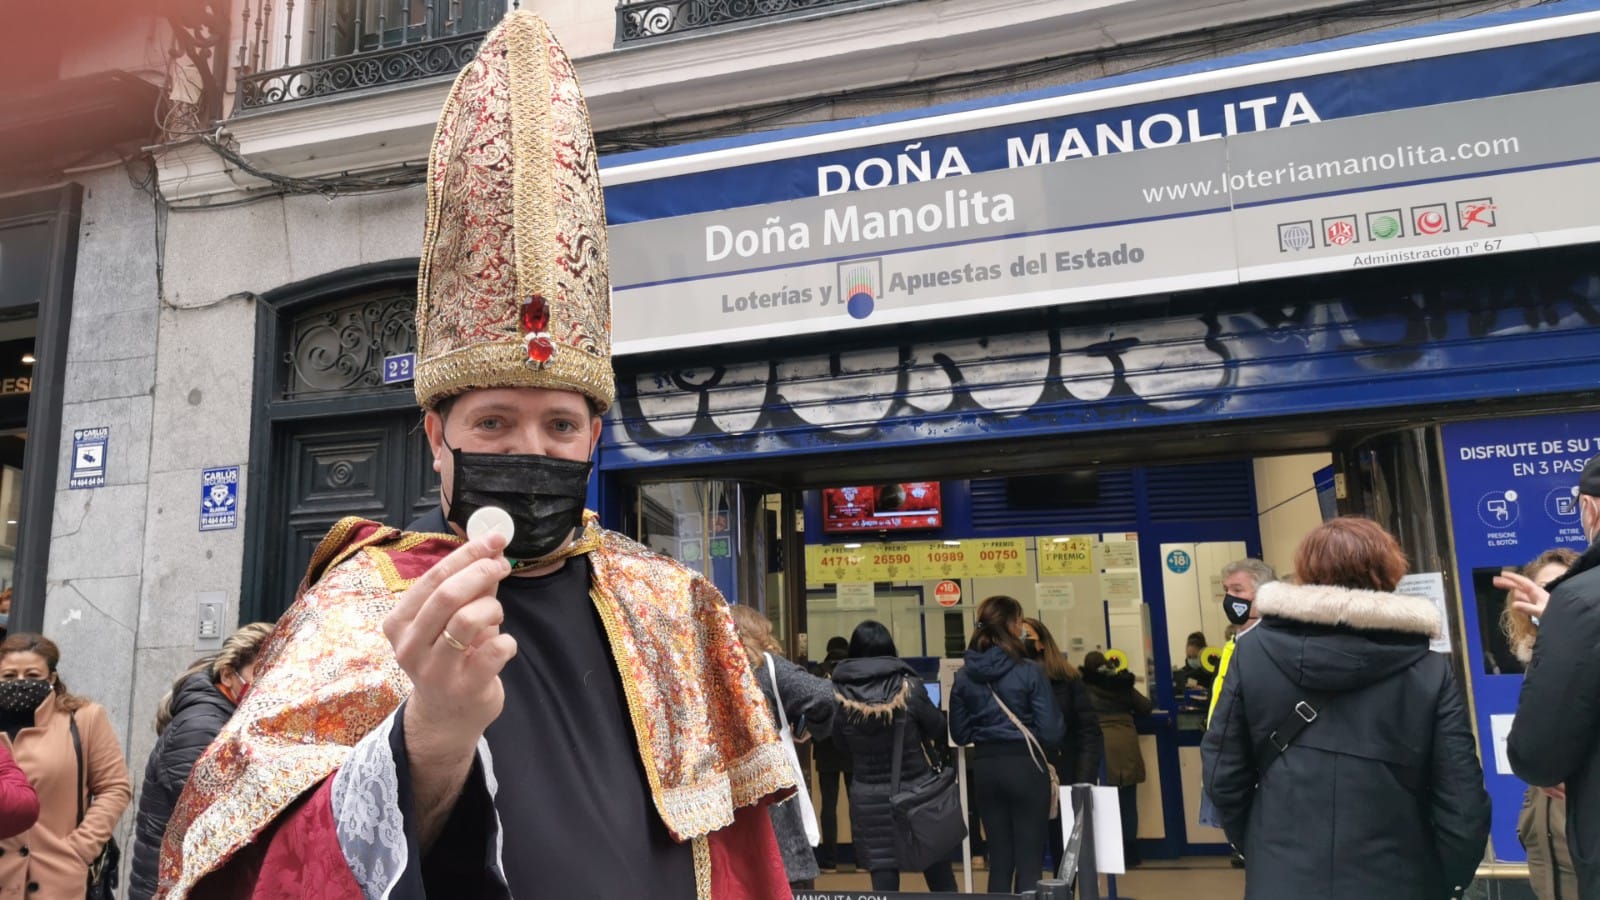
(536, 330)
(535, 315)
(540, 348)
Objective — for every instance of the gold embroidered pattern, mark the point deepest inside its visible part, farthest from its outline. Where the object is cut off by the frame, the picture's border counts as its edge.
(325, 678)
(702, 868)
(515, 209)
(705, 739)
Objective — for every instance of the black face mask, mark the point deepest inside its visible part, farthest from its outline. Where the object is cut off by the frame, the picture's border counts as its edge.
(24, 695)
(543, 495)
(1237, 609)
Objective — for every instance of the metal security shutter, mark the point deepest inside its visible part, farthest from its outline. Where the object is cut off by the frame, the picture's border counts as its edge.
(1220, 490)
(1192, 493)
(1117, 508)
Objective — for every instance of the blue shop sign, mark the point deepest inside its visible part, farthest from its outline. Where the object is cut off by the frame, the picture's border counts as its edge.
(1513, 495)
(1474, 58)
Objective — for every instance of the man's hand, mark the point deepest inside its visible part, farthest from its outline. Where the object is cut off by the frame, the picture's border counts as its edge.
(1559, 792)
(456, 690)
(1525, 595)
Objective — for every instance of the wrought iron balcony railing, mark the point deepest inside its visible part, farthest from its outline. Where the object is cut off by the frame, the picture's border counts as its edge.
(641, 20)
(334, 46)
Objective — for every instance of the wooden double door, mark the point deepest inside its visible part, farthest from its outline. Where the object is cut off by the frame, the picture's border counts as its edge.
(374, 465)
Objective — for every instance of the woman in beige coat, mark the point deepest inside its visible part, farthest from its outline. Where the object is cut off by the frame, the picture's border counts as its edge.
(50, 861)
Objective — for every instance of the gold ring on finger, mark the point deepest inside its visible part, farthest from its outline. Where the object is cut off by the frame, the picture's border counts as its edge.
(451, 640)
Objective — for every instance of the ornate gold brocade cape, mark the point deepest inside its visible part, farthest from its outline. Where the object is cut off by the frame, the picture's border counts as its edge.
(327, 677)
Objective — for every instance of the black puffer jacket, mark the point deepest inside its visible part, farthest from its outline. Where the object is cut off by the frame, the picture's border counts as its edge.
(873, 694)
(1077, 757)
(1381, 795)
(1555, 737)
(975, 718)
(198, 712)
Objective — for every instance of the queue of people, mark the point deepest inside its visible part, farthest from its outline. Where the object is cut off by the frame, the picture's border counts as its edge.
(1031, 718)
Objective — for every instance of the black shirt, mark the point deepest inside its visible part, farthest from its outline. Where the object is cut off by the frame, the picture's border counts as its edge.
(573, 799)
(13, 722)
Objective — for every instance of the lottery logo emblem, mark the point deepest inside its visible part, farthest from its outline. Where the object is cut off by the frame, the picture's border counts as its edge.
(1339, 232)
(1385, 225)
(860, 286)
(1295, 236)
(1430, 220)
(1476, 213)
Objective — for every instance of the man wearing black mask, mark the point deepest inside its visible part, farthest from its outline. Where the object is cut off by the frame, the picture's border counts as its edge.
(1555, 738)
(1240, 580)
(553, 711)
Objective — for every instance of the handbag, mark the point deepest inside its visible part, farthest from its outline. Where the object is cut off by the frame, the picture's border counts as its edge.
(1036, 751)
(928, 821)
(102, 882)
(802, 794)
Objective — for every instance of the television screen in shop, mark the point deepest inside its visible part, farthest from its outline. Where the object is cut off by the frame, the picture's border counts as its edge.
(903, 506)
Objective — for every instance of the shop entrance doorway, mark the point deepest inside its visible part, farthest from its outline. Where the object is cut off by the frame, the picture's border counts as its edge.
(1122, 558)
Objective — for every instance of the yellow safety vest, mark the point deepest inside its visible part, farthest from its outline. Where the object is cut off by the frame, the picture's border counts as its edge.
(1222, 672)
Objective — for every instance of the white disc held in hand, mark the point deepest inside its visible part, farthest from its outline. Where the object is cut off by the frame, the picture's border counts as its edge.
(490, 519)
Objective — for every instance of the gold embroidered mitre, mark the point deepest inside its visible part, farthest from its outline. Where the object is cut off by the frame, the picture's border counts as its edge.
(513, 290)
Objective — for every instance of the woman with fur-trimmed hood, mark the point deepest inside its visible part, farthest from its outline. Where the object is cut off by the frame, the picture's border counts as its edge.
(1340, 756)
(875, 688)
